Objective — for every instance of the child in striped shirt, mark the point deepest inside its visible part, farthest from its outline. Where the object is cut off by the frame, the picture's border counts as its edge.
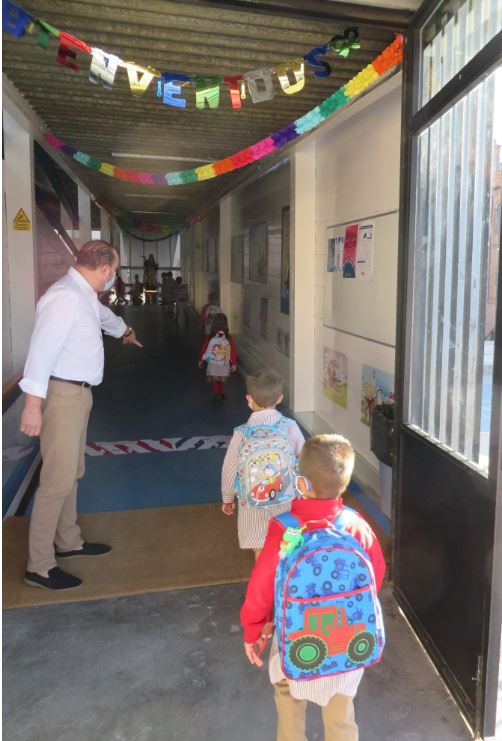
(264, 392)
(326, 463)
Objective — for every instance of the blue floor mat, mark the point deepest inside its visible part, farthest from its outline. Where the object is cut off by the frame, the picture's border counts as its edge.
(152, 480)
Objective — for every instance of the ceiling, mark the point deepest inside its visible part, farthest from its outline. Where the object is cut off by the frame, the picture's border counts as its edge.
(193, 36)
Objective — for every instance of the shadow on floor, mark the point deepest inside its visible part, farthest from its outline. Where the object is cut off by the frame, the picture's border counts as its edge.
(170, 666)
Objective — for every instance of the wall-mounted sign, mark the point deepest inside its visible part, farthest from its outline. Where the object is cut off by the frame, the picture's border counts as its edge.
(21, 222)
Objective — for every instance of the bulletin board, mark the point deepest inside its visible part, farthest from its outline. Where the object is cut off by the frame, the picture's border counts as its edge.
(360, 277)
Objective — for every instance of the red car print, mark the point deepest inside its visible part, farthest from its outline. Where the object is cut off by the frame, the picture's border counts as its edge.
(267, 490)
(326, 632)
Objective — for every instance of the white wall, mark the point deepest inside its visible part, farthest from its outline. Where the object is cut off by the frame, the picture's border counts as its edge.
(357, 163)
(18, 192)
(193, 241)
(261, 200)
(7, 362)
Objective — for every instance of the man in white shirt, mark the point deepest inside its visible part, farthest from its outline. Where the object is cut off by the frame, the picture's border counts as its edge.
(65, 359)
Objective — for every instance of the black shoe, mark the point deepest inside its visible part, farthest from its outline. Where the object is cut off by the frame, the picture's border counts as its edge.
(216, 400)
(88, 549)
(57, 579)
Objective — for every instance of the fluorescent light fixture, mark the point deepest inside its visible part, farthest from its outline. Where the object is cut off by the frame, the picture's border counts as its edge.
(168, 157)
(156, 213)
(166, 197)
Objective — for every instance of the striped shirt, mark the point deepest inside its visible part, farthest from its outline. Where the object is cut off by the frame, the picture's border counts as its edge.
(253, 523)
(319, 690)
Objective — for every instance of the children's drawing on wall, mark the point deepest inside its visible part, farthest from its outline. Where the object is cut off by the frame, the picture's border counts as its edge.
(282, 341)
(378, 388)
(237, 259)
(285, 261)
(258, 252)
(350, 251)
(212, 258)
(264, 317)
(335, 383)
(365, 244)
(335, 253)
(246, 312)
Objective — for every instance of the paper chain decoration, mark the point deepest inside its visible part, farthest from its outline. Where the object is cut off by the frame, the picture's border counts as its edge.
(104, 66)
(390, 57)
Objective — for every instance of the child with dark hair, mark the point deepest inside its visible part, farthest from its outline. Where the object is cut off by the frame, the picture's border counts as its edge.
(220, 355)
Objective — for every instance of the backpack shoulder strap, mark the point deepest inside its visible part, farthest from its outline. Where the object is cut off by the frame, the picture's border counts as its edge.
(287, 519)
(344, 517)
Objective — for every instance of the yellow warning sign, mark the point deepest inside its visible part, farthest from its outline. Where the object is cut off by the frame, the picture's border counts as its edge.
(21, 222)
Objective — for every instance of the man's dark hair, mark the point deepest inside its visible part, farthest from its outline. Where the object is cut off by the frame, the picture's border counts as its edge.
(92, 255)
(169, 274)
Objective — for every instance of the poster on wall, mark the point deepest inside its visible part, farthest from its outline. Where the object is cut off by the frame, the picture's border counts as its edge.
(237, 259)
(335, 254)
(350, 251)
(377, 388)
(205, 265)
(285, 260)
(335, 384)
(263, 317)
(365, 243)
(212, 258)
(282, 341)
(258, 252)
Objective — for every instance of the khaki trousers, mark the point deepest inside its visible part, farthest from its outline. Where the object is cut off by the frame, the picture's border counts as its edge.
(62, 444)
(337, 715)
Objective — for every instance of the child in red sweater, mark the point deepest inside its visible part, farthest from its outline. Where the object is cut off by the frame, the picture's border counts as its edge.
(326, 462)
(220, 355)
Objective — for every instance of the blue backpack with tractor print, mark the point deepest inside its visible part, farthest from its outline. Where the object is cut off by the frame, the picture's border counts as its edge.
(266, 465)
(327, 614)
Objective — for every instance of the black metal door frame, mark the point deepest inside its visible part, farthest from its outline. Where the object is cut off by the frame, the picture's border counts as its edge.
(480, 714)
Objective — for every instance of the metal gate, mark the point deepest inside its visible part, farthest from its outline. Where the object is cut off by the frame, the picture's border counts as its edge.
(449, 359)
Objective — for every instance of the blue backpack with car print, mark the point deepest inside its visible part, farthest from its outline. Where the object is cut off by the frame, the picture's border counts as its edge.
(327, 614)
(266, 466)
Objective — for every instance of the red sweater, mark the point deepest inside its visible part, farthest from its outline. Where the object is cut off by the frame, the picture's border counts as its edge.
(259, 603)
(233, 350)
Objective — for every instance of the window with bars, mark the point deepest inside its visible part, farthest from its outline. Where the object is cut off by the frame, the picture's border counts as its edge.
(452, 36)
(456, 255)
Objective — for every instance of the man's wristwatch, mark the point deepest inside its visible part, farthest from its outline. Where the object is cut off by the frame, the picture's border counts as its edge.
(128, 332)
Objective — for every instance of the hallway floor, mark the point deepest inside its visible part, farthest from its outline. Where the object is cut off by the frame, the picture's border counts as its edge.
(160, 667)
(166, 667)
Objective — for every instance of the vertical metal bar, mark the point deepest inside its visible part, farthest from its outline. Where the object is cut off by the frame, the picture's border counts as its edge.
(418, 291)
(438, 282)
(428, 409)
(447, 355)
(462, 167)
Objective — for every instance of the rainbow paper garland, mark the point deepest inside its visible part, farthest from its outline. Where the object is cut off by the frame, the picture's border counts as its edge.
(390, 57)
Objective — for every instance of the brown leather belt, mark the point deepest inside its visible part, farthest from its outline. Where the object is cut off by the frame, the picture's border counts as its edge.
(84, 384)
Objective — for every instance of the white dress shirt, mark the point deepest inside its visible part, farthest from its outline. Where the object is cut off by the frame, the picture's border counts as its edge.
(67, 340)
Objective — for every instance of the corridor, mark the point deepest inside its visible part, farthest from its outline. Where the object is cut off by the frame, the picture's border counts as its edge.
(160, 667)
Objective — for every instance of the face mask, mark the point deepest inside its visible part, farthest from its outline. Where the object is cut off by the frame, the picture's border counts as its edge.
(110, 283)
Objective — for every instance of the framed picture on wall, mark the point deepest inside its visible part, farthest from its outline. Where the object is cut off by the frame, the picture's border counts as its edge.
(285, 262)
(264, 317)
(258, 252)
(237, 259)
(212, 256)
